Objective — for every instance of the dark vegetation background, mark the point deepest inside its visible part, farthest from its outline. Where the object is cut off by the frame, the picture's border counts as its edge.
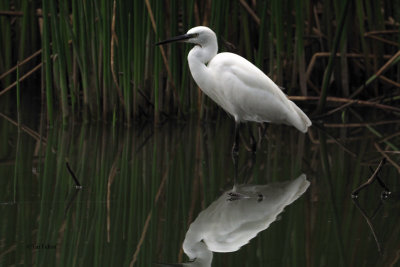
(95, 60)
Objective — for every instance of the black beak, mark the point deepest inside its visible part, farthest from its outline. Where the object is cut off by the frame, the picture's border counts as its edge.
(177, 38)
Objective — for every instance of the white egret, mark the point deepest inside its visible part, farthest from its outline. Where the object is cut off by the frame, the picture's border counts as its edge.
(237, 85)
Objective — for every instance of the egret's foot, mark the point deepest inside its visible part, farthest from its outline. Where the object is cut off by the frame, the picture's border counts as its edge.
(236, 196)
(233, 196)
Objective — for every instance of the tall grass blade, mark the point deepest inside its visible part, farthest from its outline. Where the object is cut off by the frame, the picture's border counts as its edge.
(47, 63)
(328, 70)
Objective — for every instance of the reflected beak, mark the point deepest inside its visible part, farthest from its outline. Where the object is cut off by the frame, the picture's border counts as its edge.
(181, 38)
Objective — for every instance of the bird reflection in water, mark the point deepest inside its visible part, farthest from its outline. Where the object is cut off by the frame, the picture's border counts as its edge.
(236, 217)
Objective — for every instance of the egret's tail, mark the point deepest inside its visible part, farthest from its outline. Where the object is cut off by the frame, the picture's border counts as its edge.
(303, 122)
(299, 186)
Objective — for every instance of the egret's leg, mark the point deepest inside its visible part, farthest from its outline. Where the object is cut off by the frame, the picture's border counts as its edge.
(248, 171)
(235, 170)
(235, 150)
(262, 130)
(253, 143)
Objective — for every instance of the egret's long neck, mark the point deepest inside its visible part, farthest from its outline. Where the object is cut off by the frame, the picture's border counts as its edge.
(198, 57)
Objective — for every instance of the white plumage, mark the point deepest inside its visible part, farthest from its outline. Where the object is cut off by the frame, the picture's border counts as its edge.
(237, 85)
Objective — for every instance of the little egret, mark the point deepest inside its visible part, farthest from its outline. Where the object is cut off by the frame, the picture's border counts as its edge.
(237, 85)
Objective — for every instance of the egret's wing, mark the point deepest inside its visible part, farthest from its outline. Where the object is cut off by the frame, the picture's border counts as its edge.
(246, 91)
(251, 95)
(249, 74)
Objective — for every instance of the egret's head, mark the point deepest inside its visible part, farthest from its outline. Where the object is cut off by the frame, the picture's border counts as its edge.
(199, 35)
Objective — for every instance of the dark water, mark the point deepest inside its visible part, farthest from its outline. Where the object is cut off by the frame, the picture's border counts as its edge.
(144, 186)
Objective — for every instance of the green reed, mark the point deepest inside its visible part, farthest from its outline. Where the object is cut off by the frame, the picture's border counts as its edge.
(336, 41)
(46, 59)
(99, 60)
(6, 43)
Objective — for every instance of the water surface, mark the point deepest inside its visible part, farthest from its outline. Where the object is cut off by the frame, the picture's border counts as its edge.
(143, 186)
